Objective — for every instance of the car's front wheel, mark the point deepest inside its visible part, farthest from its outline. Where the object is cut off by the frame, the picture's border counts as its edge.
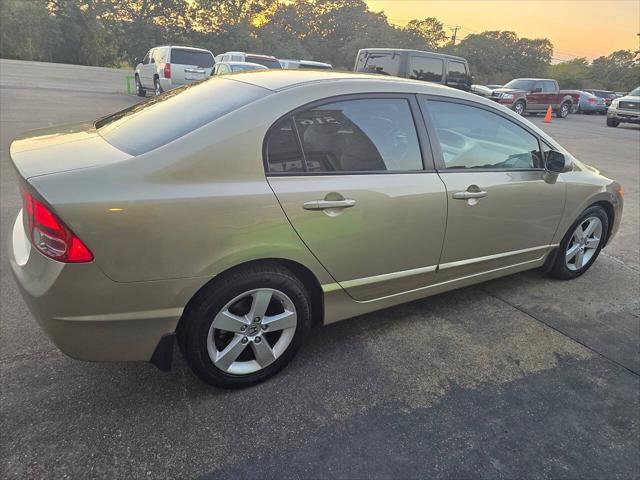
(612, 122)
(519, 107)
(246, 326)
(141, 92)
(157, 87)
(582, 244)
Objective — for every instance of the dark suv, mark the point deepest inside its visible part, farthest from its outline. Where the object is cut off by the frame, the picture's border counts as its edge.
(416, 64)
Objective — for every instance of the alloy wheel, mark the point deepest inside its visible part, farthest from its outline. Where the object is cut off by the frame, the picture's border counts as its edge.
(519, 108)
(583, 244)
(251, 331)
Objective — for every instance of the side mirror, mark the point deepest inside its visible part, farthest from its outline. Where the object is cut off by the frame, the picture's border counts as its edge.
(556, 163)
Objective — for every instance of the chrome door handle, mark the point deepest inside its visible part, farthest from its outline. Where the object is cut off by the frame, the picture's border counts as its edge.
(468, 195)
(324, 204)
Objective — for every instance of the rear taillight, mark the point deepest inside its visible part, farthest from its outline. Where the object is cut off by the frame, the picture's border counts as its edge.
(50, 236)
(167, 70)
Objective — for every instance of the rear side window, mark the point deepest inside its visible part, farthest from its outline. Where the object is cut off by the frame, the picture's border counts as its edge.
(160, 120)
(369, 135)
(191, 57)
(471, 137)
(283, 154)
(456, 73)
(267, 62)
(548, 86)
(384, 63)
(425, 68)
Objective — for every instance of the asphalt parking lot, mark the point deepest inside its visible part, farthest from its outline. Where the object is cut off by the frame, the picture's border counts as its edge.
(521, 377)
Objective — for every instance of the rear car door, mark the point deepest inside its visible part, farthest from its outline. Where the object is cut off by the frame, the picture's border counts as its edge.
(350, 176)
(425, 68)
(146, 71)
(501, 212)
(457, 75)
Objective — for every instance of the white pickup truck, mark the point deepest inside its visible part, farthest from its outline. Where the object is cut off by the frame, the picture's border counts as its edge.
(170, 66)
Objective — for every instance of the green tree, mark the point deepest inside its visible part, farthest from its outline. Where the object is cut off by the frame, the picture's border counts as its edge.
(429, 31)
(572, 74)
(27, 30)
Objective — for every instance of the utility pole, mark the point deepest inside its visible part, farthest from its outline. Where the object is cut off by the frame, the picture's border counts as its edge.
(455, 31)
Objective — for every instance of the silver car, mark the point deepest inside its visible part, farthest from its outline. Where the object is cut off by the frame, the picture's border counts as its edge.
(262, 204)
(171, 66)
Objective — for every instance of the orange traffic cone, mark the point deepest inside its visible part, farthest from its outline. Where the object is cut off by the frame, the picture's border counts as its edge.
(547, 117)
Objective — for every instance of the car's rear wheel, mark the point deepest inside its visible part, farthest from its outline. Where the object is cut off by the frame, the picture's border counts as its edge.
(141, 92)
(612, 122)
(246, 326)
(519, 107)
(157, 87)
(564, 110)
(582, 244)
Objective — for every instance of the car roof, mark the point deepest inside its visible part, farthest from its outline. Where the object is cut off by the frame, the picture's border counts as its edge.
(421, 52)
(278, 80)
(255, 55)
(184, 47)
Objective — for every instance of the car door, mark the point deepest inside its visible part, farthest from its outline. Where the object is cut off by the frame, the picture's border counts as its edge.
(537, 98)
(144, 70)
(457, 75)
(350, 177)
(501, 212)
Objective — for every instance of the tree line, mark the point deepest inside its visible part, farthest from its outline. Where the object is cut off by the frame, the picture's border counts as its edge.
(114, 32)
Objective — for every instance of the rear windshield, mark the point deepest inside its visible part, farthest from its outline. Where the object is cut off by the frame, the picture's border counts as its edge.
(191, 57)
(148, 125)
(384, 63)
(267, 62)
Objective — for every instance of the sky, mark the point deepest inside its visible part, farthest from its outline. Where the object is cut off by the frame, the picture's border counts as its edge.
(577, 28)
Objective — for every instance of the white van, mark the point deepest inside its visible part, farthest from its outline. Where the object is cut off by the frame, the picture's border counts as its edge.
(170, 66)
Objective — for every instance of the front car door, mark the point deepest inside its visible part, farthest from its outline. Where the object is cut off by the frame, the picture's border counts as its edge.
(144, 70)
(457, 75)
(537, 98)
(502, 213)
(350, 176)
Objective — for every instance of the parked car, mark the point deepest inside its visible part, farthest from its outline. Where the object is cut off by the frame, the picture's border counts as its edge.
(305, 64)
(532, 95)
(589, 103)
(224, 68)
(624, 109)
(170, 66)
(416, 64)
(607, 95)
(266, 60)
(260, 205)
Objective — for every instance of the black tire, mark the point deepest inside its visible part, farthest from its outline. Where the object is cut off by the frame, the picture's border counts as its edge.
(157, 87)
(564, 110)
(141, 92)
(559, 268)
(520, 107)
(197, 319)
(612, 122)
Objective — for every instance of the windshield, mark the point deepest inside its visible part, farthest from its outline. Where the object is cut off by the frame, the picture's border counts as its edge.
(191, 57)
(635, 92)
(160, 120)
(519, 84)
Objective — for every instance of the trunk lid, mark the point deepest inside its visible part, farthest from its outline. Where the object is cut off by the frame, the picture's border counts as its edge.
(62, 148)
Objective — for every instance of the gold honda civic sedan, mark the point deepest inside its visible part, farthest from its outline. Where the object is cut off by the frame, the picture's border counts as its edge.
(236, 213)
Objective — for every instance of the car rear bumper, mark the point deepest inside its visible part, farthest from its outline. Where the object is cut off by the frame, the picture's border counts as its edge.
(89, 316)
(629, 116)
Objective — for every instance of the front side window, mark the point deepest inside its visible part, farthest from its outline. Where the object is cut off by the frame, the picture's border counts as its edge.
(471, 138)
(383, 63)
(457, 72)
(425, 68)
(145, 60)
(548, 87)
(368, 135)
